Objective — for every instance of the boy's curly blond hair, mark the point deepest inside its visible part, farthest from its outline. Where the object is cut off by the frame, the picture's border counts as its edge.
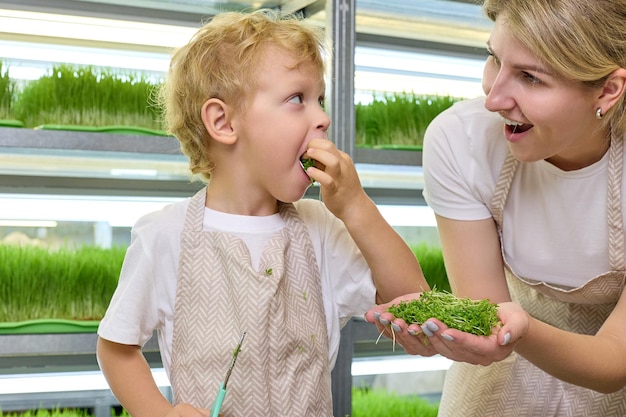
(221, 61)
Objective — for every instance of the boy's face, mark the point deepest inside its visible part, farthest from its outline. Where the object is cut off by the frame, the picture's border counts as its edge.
(277, 123)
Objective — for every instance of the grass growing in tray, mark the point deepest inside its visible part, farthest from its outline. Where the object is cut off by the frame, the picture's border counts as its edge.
(478, 317)
(397, 118)
(88, 96)
(430, 258)
(7, 93)
(380, 403)
(72, 284)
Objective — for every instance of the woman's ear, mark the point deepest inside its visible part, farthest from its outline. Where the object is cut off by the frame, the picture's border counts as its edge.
(216, 118)
(613, 90)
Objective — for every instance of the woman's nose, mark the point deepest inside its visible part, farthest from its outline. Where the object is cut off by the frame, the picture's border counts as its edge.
(497, 92)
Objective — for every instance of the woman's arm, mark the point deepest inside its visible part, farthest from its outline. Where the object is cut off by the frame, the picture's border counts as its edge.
(475, 268)
(395, 269)
(597, 362)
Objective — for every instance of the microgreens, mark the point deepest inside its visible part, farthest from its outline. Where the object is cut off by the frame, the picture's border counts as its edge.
(307, 162)
(478, 317)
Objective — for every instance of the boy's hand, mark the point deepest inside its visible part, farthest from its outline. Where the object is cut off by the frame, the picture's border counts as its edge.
(335, 172)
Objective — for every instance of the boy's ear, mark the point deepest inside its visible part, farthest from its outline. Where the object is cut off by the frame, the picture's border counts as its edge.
(216, 117)
(613, 90)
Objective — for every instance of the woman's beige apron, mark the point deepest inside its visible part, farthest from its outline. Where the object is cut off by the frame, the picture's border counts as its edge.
(282, 369)
(515, 387)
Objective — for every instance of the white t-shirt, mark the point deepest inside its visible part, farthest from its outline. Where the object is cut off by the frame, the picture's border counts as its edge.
(145, 297)
(555, 221)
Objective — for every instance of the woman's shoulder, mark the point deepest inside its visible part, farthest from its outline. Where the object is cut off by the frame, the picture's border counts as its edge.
(470, 131)
(467, 119)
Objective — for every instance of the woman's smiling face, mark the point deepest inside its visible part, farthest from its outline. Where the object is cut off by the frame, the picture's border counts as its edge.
(544, 115)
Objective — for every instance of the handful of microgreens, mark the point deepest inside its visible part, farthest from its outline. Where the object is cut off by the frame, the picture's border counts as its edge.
(478, 317)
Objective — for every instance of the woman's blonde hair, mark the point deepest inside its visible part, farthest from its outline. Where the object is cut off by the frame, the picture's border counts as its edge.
(581, 40)
(221, 61)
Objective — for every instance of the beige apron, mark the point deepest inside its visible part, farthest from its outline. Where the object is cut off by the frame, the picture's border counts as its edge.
(515, 387)
(282, 369)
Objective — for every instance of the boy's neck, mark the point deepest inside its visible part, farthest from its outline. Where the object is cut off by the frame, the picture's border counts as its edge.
(239, 202)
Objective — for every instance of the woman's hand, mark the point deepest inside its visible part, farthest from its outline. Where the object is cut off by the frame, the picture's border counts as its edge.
(434, 337)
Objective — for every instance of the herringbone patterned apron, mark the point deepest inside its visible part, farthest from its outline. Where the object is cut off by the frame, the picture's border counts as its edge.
(282, 369)
(515, 387)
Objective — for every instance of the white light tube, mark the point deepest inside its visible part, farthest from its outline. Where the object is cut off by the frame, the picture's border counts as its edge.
(64, 382)
(94, 29)
(399, 364)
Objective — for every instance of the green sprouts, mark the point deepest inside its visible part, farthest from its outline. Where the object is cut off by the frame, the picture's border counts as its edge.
(307, 162)
(478, 317)
(89, 96)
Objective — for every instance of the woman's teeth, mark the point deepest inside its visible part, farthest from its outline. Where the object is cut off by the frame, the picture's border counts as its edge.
(512, 122)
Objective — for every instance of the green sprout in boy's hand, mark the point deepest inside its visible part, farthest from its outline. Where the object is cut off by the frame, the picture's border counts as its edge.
(306, 163)
(478, 317)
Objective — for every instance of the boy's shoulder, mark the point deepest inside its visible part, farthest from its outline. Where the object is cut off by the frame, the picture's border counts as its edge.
(311, 208)
(169, 219)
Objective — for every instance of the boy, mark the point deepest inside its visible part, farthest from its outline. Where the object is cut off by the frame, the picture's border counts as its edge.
(244, 98)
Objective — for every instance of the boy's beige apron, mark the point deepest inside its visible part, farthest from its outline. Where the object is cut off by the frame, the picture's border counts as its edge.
(515, 387)
(282, 369)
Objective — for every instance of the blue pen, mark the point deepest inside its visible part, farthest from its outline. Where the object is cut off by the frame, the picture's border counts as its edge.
(219, 399)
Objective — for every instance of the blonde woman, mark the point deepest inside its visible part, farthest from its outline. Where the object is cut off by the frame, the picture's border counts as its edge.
(527, 184)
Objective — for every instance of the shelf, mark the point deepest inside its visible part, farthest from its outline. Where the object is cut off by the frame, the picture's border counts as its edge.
(74, 162)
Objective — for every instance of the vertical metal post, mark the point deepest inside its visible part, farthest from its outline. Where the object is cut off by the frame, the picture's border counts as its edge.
(342, 373)
(341, 27)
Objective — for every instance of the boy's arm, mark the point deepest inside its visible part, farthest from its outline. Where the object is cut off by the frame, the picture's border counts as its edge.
(395, 269)
(129, 376)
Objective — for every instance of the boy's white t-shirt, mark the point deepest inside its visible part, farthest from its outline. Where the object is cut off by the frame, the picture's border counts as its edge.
(555, 221)
(145, 297)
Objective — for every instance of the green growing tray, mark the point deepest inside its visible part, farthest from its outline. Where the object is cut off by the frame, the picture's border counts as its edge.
(399, 147)
(46, 326)
(120, 130)
(11, 123)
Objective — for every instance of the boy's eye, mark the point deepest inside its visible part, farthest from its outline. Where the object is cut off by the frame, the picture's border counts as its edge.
(296, 99)
(495, 59)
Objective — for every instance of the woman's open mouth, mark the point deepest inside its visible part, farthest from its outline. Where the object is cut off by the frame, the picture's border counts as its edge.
(512, 129)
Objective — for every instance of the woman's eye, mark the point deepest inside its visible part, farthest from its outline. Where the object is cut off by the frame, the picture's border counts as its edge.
(296, 99)
(531, 78)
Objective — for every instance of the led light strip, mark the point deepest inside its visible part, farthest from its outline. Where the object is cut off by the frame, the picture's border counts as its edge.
(93, 29)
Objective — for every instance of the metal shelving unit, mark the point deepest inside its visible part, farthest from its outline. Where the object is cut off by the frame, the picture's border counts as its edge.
(60, 371)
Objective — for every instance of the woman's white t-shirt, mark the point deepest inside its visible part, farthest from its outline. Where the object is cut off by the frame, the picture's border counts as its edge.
(145, 297)
(555, 222)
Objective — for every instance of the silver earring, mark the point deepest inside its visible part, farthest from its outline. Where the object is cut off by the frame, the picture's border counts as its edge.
(599, 114)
